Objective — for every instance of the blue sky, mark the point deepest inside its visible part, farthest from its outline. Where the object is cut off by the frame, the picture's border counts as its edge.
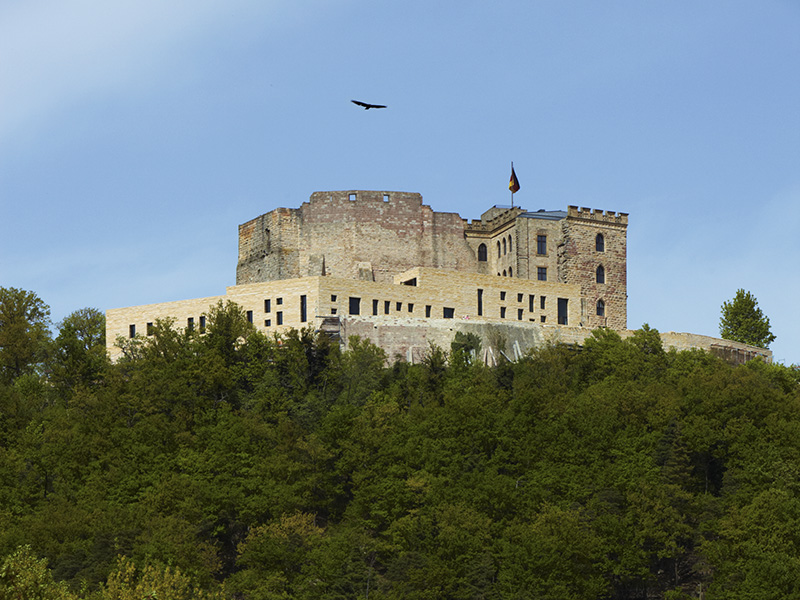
(135, 136)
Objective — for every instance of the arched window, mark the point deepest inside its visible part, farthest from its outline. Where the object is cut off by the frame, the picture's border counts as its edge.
(504, 273)
(505, 250)
(601, 274)
(510, 272)
(498, 250)
(510, 245)
(601, 308)
(600, 243)
(482, 253)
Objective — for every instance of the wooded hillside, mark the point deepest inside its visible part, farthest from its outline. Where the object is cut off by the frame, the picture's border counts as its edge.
(243, 466)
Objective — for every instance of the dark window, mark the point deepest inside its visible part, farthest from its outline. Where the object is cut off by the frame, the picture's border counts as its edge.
(355, 306)
(563, 311)
(519, 314)
(333, 311)
(398, 306)
(448, 313)
(279, 301)
(498, 251)
(410, 307)
(132, 331)
(374, 307)
(149, 329)
(541, 273)
(601, 274)
(279, 317)
(190, 323)
(542, 301)
(411, 282)
(502, 295)
(480, 302)
(203, 324)
(519, 297)
(504, 273)
(505, 250)
(267, 322)
(510, 248)
(601, 308)
(530, 302)
(502, 312)
(482, 253)
(303, 309)
(543, 318)
(541, 244)
(267, 306)
(386, 306)
(333, 297)
(510, 272)
(428, 311)
(249, 316)
(600, 243)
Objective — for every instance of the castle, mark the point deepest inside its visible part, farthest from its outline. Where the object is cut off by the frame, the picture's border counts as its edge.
(386, 267)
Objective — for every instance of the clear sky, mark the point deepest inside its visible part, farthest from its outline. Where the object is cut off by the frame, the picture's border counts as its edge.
(136, 135)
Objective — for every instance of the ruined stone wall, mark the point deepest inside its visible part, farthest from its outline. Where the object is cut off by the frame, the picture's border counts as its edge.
(579, 260)
(352, 234)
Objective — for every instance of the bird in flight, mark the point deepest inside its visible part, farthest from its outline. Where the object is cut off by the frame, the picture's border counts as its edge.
(367, 106)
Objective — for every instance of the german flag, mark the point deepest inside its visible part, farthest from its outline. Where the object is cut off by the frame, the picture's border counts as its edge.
(513, 183)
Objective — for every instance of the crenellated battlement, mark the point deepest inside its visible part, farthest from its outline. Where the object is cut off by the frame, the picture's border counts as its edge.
(597, 215)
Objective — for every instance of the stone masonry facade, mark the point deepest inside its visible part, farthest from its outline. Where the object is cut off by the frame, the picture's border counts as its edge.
(386, 267)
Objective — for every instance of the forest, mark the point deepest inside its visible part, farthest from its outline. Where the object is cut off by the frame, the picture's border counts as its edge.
(234, 465)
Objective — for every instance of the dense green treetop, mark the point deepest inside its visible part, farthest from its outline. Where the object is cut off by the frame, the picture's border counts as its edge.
(232, 464)
(743, 321)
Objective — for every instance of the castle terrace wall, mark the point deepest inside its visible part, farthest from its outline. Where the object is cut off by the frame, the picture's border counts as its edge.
(405, 339)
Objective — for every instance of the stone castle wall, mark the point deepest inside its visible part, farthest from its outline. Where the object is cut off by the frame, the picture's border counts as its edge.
(352, 234)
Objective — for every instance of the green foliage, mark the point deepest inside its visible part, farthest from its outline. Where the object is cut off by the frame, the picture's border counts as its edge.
(743, 321)
(25, 577)
(240, 465)
(24, 333)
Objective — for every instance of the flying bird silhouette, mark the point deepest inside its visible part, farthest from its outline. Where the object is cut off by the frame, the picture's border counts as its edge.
(367, 106)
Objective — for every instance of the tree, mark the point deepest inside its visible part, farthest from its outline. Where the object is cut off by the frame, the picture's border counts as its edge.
(79, 352)
(743, 321)
(24, 332)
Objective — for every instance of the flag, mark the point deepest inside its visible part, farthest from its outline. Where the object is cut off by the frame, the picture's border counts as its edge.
(513, 184)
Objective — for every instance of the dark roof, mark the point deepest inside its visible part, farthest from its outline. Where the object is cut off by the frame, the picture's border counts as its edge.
(548, 215)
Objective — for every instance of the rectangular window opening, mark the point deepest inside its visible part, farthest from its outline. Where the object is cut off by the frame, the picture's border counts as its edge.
(541, 273)
(202, 324)
(542, 301)
(267, 322)
(131, 331)
(519, 314)
(279, 317)
(448, 313)
(149, 329)
(249, 316)
(374, 307)
(303, 309)
(355, 306)
(267, 305)
(410, 307)
(190, 323)
(386, 307)
(428, 311)
(279, 301)
(480, 302)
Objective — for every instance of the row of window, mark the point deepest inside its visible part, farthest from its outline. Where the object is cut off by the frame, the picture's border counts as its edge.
(354, 308)
(505, 246)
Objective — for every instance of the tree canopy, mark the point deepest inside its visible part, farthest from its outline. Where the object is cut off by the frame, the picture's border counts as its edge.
(743, 321)
(236, 465)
